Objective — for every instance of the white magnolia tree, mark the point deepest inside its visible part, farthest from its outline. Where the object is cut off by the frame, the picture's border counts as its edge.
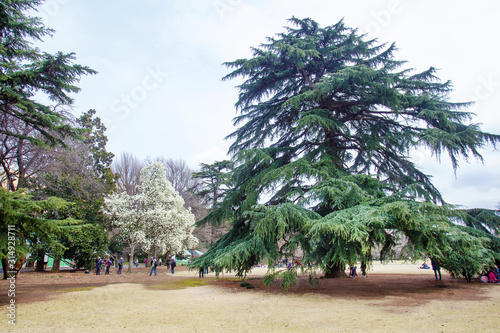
(129, 220)
(155, 218)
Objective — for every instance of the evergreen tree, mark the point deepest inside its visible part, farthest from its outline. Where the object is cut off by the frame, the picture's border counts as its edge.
(486, 220)
(31, 222)
(27, 74)
(327, 121)
(215, 181)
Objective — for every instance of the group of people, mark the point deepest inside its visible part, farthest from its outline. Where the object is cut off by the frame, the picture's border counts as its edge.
(204, 270)
(436, 267)
(353, 270)
(108, 262)
(492, 275)
(157, 262)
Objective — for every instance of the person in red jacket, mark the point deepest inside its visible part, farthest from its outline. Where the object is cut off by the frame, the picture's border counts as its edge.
(491, 277)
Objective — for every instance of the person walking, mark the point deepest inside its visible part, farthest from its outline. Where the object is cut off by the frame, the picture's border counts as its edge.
(154, 263)
(120, 266)
(201, 272)
(172, 265)
(363, 268)
(98, 266)
(436, 268)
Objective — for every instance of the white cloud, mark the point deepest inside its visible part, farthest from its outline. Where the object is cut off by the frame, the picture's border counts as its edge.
(209, 156)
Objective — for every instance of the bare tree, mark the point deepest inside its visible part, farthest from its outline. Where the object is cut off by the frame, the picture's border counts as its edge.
(129, 168)
(20, 158)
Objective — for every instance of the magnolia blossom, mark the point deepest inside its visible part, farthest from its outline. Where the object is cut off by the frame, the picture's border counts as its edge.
(128, 219)
(155, 218)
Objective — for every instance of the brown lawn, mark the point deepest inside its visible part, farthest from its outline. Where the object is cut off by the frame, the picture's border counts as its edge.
(392, 298)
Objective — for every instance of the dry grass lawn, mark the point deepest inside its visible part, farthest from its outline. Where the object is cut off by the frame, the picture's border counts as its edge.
(392, 298)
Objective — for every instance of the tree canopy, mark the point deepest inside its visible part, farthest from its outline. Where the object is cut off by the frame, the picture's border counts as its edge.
(214, 183)
(32, 222)
(80, 173)
(327, 120)
(27, 74)
(155, 217)
(35, 89)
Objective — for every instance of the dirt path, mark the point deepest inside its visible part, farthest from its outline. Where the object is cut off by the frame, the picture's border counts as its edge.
(391, 298)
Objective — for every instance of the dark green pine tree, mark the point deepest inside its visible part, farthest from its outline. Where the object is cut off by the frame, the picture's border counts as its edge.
(215, 181)
(27, 73)
(29, 76)
(23, 219)
(486, 220)
(326, 126)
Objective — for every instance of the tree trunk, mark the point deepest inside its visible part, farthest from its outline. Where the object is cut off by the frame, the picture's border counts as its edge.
(17, 267)
(148, 255)
(211, 235)
(40, 266)
(56, 266)
(131, 258)
(335, 271)
(5, 267)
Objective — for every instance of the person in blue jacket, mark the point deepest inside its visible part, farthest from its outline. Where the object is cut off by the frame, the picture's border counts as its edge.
(98, 266)
(120, 266)
(436, 268)
(154, 263)
(172, 265)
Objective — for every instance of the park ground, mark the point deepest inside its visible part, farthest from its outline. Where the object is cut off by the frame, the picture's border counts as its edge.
(395, 297)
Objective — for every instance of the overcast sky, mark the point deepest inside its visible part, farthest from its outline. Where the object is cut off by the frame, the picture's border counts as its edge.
(159, 88)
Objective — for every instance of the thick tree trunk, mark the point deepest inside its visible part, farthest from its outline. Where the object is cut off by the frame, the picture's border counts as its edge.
(39, 256)
(335, 271)
(56, 266)
(5, 267)
(40, 266)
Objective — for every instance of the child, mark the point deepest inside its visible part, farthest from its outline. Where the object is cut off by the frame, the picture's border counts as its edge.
(352, 272)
